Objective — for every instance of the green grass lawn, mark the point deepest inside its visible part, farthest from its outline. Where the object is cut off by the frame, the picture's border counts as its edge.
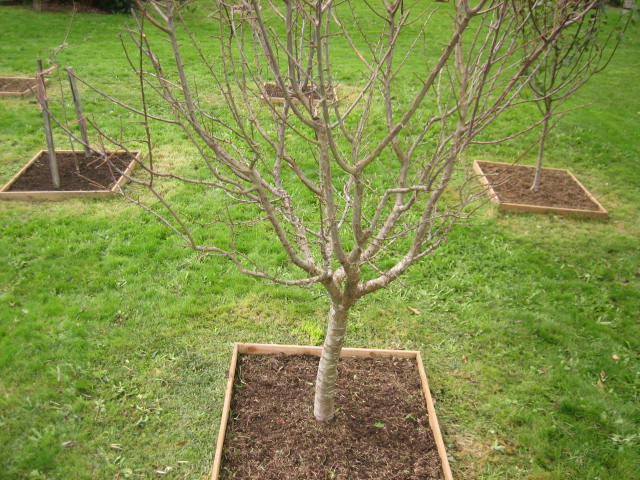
(115, 340)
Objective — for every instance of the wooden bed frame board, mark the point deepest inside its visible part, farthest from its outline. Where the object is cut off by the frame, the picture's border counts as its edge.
(64, 194)
(266, 349)
(522, 207)
(24, 93)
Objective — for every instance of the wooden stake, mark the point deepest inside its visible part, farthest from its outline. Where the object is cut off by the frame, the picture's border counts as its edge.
(82, 124)
(44, 106)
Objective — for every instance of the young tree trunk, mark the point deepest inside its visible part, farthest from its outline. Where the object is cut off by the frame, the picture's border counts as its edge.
(82, 124)
(46, 120)
(323, 405)
(543, 137)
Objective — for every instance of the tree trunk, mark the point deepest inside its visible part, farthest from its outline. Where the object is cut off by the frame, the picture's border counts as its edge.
(323, 406)
(46, 120)
(82, 123)
(543, 137)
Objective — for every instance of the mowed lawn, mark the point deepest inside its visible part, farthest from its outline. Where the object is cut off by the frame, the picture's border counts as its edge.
(115, 340)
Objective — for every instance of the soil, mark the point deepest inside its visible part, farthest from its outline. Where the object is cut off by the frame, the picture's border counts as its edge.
(53, 6)
(274, 91)
(95, 173)
(16, 85)
(380, 431)
(558, 189)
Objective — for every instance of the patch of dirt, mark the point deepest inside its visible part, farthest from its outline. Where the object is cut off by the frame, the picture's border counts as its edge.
(473, 454)
(52, 6)
(381, 429)
(274, 91)
(512, 183)
(16, 85)
(78, 7)
(94, 173)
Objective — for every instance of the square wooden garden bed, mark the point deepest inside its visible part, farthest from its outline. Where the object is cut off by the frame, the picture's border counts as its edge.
(265, 429)
(97, 178)
(17, 86)
(559, 193)
(274, 94)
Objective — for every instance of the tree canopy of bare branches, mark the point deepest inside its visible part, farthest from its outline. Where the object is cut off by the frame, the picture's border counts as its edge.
(357, 169)
(583, 48)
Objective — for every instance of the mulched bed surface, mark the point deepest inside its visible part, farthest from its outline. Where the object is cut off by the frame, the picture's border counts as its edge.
(274, 91)
(512, 183)
(12, 85)
(57, 6)
(94, 173)
(381, 430)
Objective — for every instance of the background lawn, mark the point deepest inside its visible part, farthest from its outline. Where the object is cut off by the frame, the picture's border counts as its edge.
(115, 340)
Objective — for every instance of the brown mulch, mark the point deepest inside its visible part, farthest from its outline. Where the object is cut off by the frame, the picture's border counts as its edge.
(381, 429)
(512, 183)
(54, 6)
(274, 91)
(94, 173)
(16, 85)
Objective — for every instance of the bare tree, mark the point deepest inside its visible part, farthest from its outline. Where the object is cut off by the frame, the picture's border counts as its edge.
(584, 48)
(356, 181)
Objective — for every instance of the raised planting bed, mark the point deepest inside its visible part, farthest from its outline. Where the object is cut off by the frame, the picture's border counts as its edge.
(17, 86)
(385, 425)
(275, 94)
(560, 192)
(95, 178)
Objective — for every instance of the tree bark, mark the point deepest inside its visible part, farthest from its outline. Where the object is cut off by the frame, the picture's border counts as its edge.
(323, 406)
(543, 137)
(82, 123)
(46, 120)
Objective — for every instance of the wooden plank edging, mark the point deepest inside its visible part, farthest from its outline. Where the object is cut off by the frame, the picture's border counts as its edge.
(21, 171)
(433, 420)
(601, 212)
(124, 178)
(266, 349)
(493, 197)
(228, 394)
